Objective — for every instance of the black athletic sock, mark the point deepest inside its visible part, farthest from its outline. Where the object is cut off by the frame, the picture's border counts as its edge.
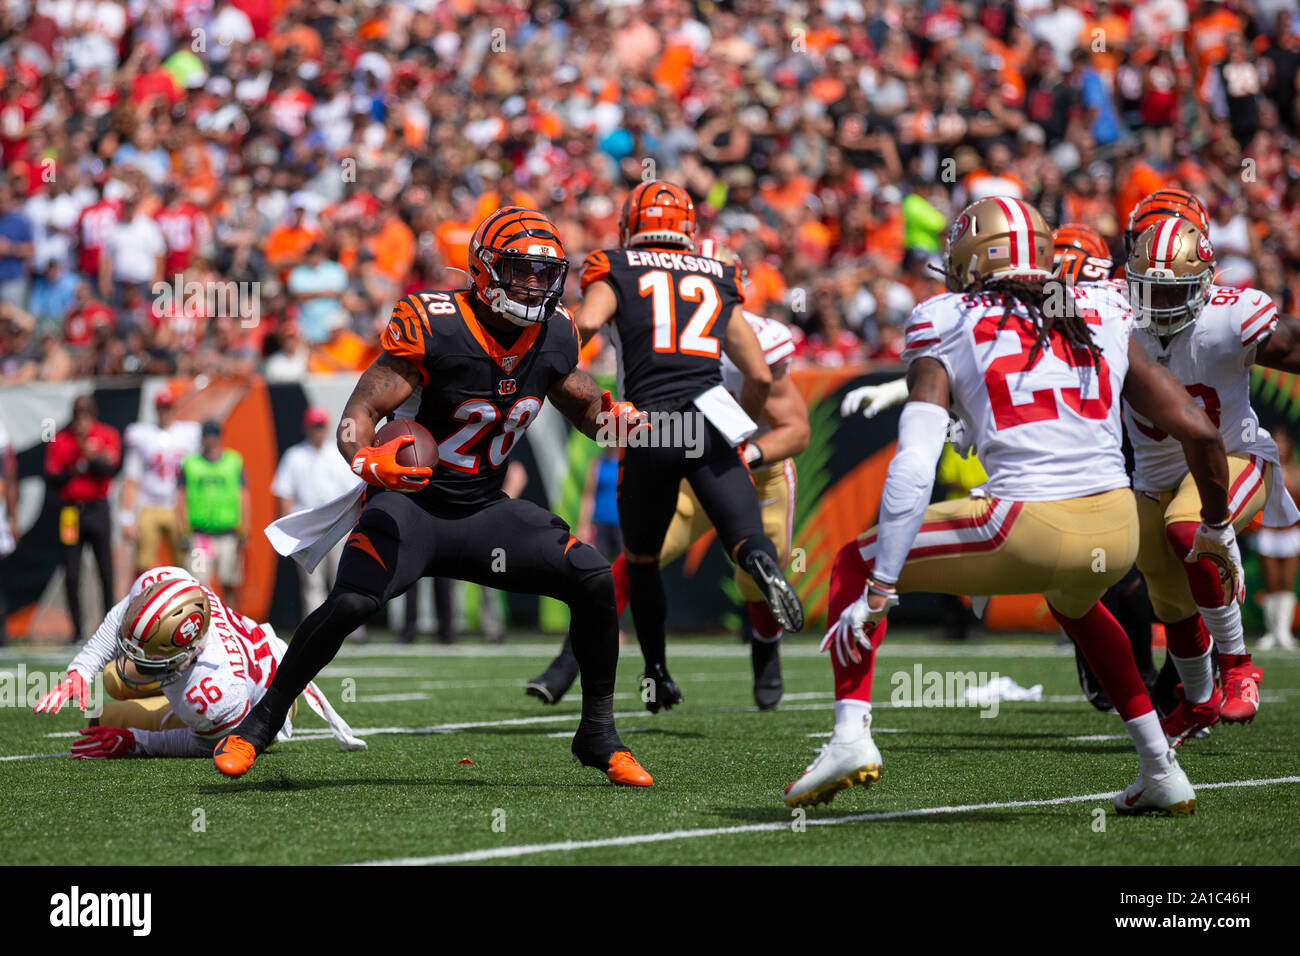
(649, 610)
(314, 645)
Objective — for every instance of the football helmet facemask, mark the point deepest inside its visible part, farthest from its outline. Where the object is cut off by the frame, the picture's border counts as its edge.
(517, 265)
(1169, 272)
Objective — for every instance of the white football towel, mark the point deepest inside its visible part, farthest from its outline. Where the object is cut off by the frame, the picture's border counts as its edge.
(1002, 688)
(307, 535)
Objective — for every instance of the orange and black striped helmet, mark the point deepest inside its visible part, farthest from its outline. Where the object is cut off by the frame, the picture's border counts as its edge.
(655, 213)
(1081, 254)
(517, 264)
(1162, 204)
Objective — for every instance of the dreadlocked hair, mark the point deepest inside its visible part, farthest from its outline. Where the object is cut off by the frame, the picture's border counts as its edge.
(1033, 294)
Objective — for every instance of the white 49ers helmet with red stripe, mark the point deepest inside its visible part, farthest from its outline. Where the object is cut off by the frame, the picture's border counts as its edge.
(1170, 269)
(163, 630)
(998, 238)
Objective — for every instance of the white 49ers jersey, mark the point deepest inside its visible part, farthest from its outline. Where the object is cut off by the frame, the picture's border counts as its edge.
(1212, 358)
(153, 458)
(1046, 428)
(778, 348)
(231, 674)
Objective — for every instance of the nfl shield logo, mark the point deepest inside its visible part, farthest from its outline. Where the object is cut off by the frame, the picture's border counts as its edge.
(508, 362)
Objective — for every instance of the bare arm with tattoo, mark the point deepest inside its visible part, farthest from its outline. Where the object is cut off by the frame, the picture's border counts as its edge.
(577, 396)
(382, 388)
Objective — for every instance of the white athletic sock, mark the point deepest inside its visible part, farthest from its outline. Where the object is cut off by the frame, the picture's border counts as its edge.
(1285, 614)
(1270, 606)
(852, 717)
(1197, 676)
(1152, 747)
(1224, 625)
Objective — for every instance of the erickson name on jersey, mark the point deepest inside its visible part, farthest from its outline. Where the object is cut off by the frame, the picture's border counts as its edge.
(673, 310)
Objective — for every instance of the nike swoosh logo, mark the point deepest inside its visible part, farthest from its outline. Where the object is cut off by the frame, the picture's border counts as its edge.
(1129, 801)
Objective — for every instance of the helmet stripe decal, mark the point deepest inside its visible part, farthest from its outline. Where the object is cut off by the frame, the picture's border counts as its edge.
(1163, 243)
(150, 613)
(1022, 233)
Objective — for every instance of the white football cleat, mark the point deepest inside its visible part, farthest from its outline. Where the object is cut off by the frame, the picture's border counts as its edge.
(1168, 793)
(839, 765)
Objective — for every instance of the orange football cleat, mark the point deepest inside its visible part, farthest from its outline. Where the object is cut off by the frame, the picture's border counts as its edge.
(624, 770)
(234, 756)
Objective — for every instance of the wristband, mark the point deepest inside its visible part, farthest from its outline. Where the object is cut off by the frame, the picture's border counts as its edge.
(753, 454)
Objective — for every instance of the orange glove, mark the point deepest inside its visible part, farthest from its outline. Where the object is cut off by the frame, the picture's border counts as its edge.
(636, 421)
(377, 464)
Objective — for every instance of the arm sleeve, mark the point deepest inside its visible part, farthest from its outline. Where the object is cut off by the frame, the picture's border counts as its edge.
(922, 430)
(181, 742)
(1258, 314)
(95, 655)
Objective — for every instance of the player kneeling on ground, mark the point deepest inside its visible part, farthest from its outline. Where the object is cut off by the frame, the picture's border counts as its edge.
(1035, 366)
(185, 669)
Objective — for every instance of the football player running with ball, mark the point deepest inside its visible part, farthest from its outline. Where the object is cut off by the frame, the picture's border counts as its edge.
(1038, 379)
(473, 367)
(1207, 336)
(782, 433)
(674, 315)
(185, 670)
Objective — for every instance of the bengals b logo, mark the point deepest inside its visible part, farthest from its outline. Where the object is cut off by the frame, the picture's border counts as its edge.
(506, 386)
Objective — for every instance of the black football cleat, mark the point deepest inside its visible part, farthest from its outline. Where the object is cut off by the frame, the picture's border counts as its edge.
(659, 690)
(556, 680)
(1089, 684)
(766, 658)
(777, 593)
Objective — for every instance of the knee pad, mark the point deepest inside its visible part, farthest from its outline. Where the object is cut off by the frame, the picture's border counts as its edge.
(352, 604)
(594, 579)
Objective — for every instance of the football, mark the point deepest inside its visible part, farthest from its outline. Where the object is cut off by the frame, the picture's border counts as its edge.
(422, 452)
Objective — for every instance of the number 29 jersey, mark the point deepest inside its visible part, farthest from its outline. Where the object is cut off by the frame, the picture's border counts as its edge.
(1047, 427)
(477, 396)
(668, 330)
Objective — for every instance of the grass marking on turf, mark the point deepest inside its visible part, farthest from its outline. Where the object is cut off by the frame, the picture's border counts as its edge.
(569, 846)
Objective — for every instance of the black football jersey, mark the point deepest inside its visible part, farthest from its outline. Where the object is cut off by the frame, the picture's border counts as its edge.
(673, 309)
(478, 394)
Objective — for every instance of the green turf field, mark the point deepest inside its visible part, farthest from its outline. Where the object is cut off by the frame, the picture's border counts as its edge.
(957, 787)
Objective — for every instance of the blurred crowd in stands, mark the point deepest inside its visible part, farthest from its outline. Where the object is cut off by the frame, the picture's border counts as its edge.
(217, 187)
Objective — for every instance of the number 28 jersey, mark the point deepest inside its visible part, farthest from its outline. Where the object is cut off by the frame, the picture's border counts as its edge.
(1047, 427)
(477, 396)
(668, 330)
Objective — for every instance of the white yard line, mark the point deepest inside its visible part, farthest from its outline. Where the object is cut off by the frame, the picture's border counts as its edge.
(569, 846)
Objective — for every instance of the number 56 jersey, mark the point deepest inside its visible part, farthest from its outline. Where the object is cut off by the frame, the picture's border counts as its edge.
(1045, 421)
